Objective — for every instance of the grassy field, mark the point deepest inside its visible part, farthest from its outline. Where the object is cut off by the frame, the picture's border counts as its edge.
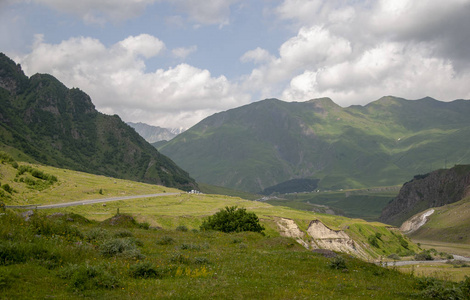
(442, 271)
(69, 257)
(71, 186)
(364, 204)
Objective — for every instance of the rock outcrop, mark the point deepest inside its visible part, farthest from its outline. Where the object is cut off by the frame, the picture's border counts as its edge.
(435, 189)
(319, 236)
(415, 222)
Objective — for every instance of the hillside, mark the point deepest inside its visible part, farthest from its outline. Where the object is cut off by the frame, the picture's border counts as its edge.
(434, 189)
(384, 143)
(154, 134)
(448, 223)
(44, 121)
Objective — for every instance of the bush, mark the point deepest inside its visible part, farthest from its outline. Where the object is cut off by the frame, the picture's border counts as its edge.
(87, 277)
(166, 240)
(98, 234)
(122, 247)
(337, 263)
(144, 270)
(373, 241)
(232, 219)
(182, 228)
(425, 255)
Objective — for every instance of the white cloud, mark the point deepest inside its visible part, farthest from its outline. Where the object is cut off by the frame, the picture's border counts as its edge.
(116, 79)
(183, 52)
(356, 52)
(257, 55)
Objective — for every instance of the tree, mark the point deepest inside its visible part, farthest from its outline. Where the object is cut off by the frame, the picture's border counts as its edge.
(232, 219)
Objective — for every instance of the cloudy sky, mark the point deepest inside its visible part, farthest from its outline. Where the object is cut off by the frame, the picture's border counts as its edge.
(173, 62)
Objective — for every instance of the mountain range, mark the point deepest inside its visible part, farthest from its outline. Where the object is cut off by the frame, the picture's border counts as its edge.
(154, 134)
(41, 120)
(269, 142)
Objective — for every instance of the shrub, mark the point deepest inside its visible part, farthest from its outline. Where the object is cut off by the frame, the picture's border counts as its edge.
(144, 270)
(232, 219)
(87, 277)
(394, 256)
(182, 228)
(7, 188)
(122, 247)
(123, 233)
(337, 263)
(373, 241)
(166, 240)
(98, 234)
(425, 255)
(201, 260)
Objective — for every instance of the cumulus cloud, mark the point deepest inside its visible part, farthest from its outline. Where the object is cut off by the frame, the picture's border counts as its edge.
(116, 79)
(356, 52)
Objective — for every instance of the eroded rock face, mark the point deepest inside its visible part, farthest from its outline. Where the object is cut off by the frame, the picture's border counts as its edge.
(336, 240)
(289, 228)
(415, 222)
(320, 236)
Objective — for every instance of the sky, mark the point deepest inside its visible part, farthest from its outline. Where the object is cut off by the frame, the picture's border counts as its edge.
(171, 63)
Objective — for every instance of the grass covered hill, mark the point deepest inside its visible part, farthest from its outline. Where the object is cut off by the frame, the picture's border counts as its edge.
(384, 143)
(48, 123)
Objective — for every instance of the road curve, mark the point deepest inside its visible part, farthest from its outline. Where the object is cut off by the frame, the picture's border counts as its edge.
(93, 201)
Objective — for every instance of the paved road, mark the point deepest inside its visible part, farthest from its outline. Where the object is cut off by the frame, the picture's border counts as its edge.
(415, 262)
(93, 201)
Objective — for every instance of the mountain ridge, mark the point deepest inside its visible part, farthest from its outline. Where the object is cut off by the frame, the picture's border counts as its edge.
(268, 142)
(54, 125)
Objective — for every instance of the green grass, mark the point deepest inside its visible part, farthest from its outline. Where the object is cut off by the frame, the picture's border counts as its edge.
(364, 204)
(71, 186)
(195, 265)
(449, 224)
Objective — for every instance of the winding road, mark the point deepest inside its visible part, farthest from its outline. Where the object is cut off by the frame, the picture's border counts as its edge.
(93, 201)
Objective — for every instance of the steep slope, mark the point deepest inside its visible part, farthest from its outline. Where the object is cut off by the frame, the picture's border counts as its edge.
(262, 144)
(435, 189)
(58, 126)
(154, 134)
(449, 223)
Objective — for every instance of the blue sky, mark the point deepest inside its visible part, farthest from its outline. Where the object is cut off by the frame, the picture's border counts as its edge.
(172, 63)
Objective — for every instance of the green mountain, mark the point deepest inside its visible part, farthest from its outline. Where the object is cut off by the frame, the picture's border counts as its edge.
(43, 120)
(384, 143)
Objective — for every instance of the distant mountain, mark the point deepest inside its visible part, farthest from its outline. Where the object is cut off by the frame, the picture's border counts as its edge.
(384, 143)
(154, 134)
(434, 189)
(54, 125)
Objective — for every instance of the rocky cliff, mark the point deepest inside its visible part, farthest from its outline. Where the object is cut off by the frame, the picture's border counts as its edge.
(435, 189)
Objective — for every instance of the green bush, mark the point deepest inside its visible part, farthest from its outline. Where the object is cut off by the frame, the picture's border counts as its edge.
(87, 277)
(337, 263)
(123, 247)
(98, 234)
(144, 270)
(182, 228)
(425, 255)
(232, 219)
(373, 241)
(166, 240)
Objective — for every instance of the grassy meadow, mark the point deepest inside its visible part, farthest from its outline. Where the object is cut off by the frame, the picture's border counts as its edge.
(152, 247)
